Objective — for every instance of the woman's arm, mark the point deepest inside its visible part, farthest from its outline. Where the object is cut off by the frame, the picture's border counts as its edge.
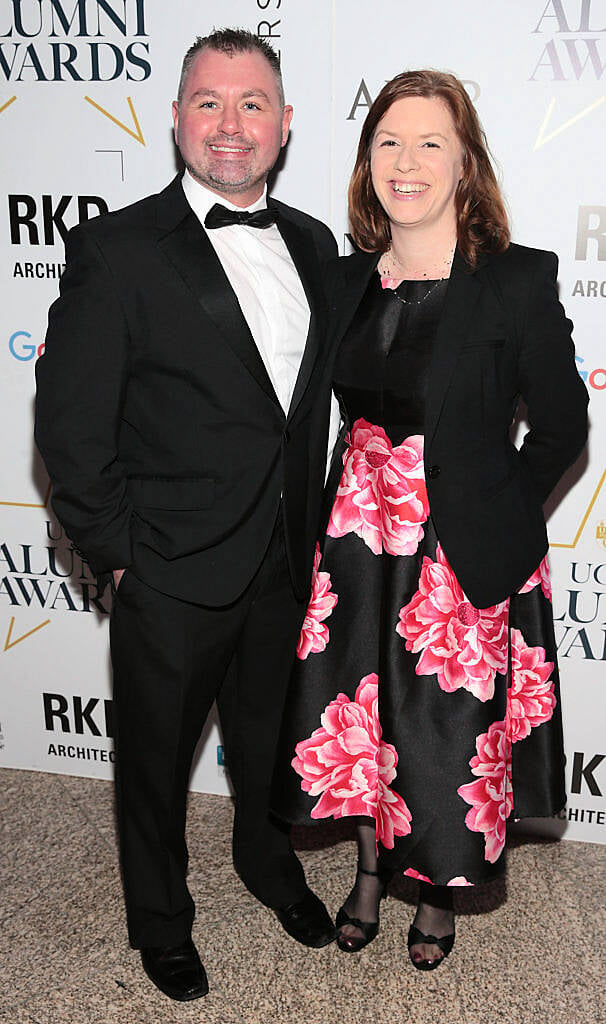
(549, 382)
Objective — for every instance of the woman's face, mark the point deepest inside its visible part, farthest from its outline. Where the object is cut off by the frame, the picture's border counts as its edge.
(416, 163)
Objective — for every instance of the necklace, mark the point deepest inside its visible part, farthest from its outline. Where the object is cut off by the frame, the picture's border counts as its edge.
(389, 272)
(416, 302)
(390, 262)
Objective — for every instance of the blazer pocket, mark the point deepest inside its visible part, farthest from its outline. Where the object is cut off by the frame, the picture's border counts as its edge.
(172, 494)
(483, 343)
(500, 485)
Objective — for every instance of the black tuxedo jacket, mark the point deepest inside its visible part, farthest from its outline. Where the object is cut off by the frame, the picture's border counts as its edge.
(166, 445)
(503, 336)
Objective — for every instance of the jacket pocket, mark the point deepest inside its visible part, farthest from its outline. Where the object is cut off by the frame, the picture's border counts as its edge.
(483, 343)
(500, 485)
(172, 494)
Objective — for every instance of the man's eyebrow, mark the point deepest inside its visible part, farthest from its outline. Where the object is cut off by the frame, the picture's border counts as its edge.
(203, 92)
(255, 92)
(216, 95)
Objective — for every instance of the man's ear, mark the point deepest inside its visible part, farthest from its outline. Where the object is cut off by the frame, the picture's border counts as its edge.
(286, 119)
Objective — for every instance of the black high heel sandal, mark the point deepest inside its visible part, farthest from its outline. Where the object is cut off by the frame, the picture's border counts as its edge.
(369, 929)
(417, 938)
(441, 898)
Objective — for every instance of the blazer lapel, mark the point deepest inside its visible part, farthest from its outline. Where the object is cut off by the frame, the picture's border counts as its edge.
(457, 315)
(300, 244)
(459, 307)
(350, 289)
(189, 250)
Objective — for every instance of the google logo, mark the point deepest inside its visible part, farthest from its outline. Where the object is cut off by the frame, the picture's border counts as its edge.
(595, 378)
(23, 350)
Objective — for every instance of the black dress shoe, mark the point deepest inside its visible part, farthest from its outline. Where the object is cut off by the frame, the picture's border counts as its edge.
(307, 921)
(176, 970)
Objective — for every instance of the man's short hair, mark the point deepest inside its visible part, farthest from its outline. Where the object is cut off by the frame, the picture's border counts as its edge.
(231, 41)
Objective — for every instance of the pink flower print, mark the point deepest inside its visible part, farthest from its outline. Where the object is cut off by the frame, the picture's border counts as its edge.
(464, 646)
(542, 576)
(530, 698)
(413, 873)
(491, 795)
(347, 764)
(382, 495)
(314, 634)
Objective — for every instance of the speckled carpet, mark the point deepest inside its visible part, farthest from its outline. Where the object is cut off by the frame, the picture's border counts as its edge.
(531, 950)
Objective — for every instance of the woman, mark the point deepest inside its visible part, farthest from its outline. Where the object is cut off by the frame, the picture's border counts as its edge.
(425, 700)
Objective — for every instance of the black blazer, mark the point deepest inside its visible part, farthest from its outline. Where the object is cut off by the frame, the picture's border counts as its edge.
(503, 336)
(166, 445)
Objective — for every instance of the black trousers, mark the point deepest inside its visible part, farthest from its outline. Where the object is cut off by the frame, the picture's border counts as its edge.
(171, 660)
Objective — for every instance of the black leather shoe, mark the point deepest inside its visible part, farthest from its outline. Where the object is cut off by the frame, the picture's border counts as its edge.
(307, 921)
(176, 970)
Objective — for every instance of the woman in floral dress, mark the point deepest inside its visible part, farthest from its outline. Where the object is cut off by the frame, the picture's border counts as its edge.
(425, 698)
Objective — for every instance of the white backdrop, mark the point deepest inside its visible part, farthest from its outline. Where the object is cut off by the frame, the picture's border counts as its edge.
(85, 92)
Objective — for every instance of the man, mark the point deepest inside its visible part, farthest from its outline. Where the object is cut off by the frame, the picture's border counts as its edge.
(182, 413)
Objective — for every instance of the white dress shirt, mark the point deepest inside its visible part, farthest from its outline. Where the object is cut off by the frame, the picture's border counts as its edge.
(268, 288)
(263, 276)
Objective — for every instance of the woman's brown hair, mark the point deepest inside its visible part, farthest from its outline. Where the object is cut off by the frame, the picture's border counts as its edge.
(482, 222)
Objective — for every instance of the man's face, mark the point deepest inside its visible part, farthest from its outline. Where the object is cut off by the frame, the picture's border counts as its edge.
(230, 125)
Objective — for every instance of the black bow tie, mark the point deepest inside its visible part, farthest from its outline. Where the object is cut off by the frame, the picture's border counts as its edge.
(220, 217)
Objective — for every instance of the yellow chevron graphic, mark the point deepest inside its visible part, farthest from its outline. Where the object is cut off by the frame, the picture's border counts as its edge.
(28, 504)
(9, 642)
(585, 517)
(7, 104)
(542, 137)
(138, 135)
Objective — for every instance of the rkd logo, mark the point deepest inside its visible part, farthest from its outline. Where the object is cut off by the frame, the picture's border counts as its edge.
(78, 718)
(591, 228)
(583, 773)
(591, 244)
(43, 219)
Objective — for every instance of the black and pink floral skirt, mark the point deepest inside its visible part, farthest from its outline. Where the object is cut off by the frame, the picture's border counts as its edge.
(409, 705)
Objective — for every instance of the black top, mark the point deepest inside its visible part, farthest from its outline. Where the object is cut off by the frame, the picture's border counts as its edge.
(382, 368)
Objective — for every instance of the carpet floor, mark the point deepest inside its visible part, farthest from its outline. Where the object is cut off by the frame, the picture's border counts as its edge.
(529, 949)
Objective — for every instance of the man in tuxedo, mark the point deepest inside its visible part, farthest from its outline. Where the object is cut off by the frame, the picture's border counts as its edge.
(182, 412)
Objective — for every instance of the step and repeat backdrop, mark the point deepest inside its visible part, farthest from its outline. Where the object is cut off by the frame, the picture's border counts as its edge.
(85, 126)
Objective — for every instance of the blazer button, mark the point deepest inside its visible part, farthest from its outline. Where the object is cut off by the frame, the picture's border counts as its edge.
(433, 472)
(286, 436)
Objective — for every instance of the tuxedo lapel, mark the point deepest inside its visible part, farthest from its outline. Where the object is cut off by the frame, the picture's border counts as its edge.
(300, 244)
(457, 314)
(190, 252)
(349, 291)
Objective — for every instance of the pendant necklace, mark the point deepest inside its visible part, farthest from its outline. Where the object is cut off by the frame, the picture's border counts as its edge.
(416, 302)
(389, 261)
